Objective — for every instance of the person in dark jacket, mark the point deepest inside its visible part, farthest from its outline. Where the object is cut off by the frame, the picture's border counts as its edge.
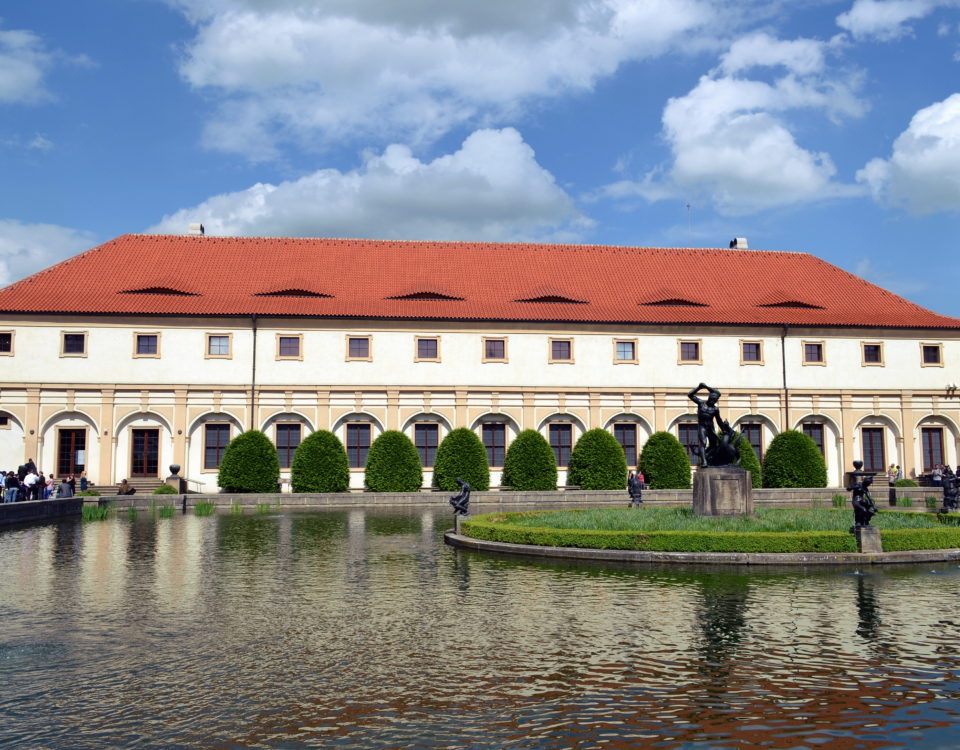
(65, 489)
(10, 486)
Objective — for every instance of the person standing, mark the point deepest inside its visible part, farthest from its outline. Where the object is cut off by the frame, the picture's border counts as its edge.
(51, 486)
(10, 486)
(83, 481)
(30, 485)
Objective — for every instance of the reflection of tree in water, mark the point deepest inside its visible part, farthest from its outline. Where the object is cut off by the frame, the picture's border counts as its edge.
(721, 619)
(867, 611)
(320, 532)
(251, 535)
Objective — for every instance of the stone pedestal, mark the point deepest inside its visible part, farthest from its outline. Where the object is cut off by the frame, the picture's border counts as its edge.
(868, 539)
(178, 483)
(722, 491)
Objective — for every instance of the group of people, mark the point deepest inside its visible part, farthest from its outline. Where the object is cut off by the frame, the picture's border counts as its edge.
(28, 483)
(940, 474)
(894, 473)
(635, 487)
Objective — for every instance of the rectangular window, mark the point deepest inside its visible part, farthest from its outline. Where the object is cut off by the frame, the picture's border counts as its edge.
(218, 345)
(494, 350)
(4, 422)
(561, 440)
(428, 350)
(561, 350)
(426, 437)
(625, 351)
(751, 353)
(6, 342)
(147, 345)
(289, 347)
(814, 431)
(753, 434)
(932, 440)
(931, 355)
(358, 347)
(873, 456)
(626, 435)
(215, 439)
(288, 438)
(813, 353)
(688, 435)
(690, 352)
(873, 354)
(358, 443)
(74, 345)
(495, 441)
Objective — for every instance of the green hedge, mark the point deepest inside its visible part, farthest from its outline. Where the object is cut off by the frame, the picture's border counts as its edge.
(793, 460)
(664, 463)
(750, 462)
(905, 483)
(461, 454)
(597, 462)
(530, 463)
(320, 464)
(896, 540)
(663, 541)
(393, 464)
(250, 464)
(165, 489)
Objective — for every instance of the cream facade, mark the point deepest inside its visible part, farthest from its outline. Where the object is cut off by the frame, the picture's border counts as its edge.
(123, 396)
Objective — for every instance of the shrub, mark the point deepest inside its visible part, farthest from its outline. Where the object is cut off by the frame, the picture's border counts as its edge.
(250, 464)
(793, 460)
(461, 454)
(839, 501)
(530, 463)
(88, 493)
(905, 483)
(932, 502)
(393, 464)
(905, 502)
(165, 489)
(895, 540)
(597, 462)
(204, 508)
(664, 463)
(320, 464)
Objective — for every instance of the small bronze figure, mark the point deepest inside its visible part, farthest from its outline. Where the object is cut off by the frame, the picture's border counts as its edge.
(726, 450)
(950, 492)
(635, 490)
(461, 501)
(707, 413)
(863, 506)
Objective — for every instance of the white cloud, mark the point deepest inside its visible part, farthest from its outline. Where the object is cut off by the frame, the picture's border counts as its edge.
(23, 63)
(923, 172)
(28, 248)
(315, 73)
(40, 143)
(729, 142)
(887, 19)
(491, 189)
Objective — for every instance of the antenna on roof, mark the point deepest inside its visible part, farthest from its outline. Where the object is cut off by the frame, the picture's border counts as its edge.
(196, 229)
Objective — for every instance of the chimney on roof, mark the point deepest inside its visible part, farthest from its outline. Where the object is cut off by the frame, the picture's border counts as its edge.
(197, 229)
(738, 243)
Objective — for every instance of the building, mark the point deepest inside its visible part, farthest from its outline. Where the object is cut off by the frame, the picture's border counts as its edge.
(153, 350)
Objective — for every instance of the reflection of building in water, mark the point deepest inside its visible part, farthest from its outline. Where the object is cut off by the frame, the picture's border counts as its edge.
(153, 366)
(103, 578)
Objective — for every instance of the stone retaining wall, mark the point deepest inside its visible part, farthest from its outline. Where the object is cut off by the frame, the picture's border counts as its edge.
(39, 510)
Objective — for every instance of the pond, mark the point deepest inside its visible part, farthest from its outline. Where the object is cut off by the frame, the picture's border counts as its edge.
(361, 629)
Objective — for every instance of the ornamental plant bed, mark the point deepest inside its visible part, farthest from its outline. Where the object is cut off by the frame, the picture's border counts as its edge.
(770, 530)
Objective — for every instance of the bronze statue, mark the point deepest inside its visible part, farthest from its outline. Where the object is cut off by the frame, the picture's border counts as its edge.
(461, 501)
(711, 449)
(635, 490)
(950, 492)
(863, 506)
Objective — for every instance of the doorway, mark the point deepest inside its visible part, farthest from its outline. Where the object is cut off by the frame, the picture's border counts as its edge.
(145, 453)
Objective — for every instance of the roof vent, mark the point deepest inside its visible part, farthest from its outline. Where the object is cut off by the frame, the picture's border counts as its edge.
(738, 243)
(426, 296)
(196, 229)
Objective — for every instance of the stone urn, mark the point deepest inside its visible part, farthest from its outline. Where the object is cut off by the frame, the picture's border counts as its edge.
(174, 470)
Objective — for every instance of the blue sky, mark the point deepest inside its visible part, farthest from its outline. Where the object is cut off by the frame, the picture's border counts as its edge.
(825, 127)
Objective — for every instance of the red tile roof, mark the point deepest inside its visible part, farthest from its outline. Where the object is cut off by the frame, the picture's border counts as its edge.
(231, 275)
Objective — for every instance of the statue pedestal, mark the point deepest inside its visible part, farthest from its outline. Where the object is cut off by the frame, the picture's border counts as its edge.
(868, 539)
(722, 491)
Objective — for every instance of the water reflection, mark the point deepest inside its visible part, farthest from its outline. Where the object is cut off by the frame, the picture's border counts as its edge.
(361, 629)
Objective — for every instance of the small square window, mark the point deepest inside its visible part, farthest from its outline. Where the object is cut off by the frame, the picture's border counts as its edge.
(931, 355)
(358, 347)
(872, 354)
(74, 344)
(751, 352)
(813, 353)
(625, 351)
(428, 349)
(218, 345)
(494, 350)
(561, 350)
(288, 347)
(6, 342)
(690, 352)
(147, 345)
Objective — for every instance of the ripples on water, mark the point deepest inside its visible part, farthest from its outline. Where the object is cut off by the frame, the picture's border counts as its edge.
(362, 630)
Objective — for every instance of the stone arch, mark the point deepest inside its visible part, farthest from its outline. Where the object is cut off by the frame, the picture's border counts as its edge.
(65, 416)
(832, 445)
(214, 416)
(291, 416)
(134, 416)
(357, 416)
(12, 441)
(892, 444)
(194, 469)
(506, 419)
(426, 417)
(48, 447)
(562, 417)
(122, 436)
(949, 454)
